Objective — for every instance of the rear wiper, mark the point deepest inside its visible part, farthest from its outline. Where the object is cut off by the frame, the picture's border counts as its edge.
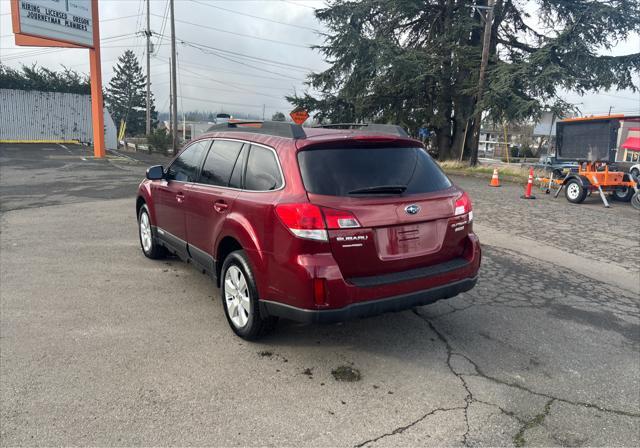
(381, 189)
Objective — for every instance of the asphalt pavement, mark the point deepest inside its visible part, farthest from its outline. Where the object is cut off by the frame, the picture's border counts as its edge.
(101, 346)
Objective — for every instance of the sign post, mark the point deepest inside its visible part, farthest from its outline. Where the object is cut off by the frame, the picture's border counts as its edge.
(95, 70)
(68, 24)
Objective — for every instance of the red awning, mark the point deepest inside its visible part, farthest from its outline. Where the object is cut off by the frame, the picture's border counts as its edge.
(632, 143)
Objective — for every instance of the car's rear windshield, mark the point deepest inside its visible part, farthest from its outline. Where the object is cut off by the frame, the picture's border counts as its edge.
(356, 171)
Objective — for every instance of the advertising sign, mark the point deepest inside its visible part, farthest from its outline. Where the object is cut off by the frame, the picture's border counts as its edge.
(61, 20)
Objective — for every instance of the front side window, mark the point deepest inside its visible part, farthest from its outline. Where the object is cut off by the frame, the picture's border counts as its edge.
(262, 172)
(185, 167)
(219, 163)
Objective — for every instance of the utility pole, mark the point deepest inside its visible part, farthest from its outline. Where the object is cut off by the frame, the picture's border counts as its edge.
(174, 87)
(170, 97)
(148, 33)
(486, 43)
(263, 107)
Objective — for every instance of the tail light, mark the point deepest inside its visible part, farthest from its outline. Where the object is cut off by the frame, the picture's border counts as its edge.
(339, 219)
(307, 221)
(463, 206)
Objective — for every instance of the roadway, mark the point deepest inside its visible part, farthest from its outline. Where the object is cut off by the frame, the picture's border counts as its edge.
(101, 346)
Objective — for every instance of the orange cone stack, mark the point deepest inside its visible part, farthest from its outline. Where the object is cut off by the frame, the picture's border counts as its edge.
(495, 182)
(527, 192)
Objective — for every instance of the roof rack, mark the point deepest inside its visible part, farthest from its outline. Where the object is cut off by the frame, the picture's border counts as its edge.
(276, 128)
(370, 127)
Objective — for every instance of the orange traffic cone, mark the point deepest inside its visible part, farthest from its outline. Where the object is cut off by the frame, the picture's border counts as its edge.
(527, 193)
(495, 182)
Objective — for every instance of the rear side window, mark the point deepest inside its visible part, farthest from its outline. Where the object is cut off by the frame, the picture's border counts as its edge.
(236, 175)
(185, 167)
(341, 171)
(262, 172)
(219, 163)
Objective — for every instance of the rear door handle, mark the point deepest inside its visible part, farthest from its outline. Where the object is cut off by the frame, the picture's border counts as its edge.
(180, 197)
(220, 206)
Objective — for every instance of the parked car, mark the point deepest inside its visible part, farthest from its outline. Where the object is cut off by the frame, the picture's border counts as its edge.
(314, 225)
(552, 165)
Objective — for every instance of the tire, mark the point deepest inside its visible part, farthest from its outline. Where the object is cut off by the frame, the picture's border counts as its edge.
(575, 192)
(148, 244)
(240, 298)
(635, 173)
(635, 201)
(623, 195)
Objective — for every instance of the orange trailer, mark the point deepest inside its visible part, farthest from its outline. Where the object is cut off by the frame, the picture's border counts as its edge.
(592, 143)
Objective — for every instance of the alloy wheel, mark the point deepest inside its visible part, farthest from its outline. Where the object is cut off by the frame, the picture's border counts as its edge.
(145, 232)
(236, 294)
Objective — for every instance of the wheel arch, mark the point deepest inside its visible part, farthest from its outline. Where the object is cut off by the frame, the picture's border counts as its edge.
(144, 197)
(139, 203)
(582, 179)
(226, 245)
(239, 234)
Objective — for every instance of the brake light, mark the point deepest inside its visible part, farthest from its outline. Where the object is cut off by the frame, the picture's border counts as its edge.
(463, 206)
(303, 220)
(306, 220)
(339, 219)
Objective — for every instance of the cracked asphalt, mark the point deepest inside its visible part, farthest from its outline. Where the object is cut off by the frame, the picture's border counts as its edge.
(101, 346)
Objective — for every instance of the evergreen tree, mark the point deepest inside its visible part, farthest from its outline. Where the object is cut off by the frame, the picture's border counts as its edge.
(278, 116)
(416, 62)
(44, 80)
(126, 95)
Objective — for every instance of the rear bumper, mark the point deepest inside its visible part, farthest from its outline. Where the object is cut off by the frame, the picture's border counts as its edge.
(368, 308)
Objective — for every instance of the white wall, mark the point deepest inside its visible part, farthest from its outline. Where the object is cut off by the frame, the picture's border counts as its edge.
(37, 116)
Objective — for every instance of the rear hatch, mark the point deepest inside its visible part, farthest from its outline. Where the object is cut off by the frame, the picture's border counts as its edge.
(408, 214)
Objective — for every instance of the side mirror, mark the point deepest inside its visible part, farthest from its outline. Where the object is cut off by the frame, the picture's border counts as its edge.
(155, 172)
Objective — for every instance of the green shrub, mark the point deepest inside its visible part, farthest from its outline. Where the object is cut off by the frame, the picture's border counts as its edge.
(159, 140)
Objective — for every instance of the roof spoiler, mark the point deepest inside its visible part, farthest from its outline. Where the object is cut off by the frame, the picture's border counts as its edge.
(392, 129)
(275, 128)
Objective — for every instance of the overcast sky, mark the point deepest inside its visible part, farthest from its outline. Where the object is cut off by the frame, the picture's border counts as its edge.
(280, 32)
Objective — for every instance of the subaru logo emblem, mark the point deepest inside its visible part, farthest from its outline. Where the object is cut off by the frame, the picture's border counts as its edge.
(412, 209)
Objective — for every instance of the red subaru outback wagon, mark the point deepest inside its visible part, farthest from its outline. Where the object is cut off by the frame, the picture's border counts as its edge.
(311, 224)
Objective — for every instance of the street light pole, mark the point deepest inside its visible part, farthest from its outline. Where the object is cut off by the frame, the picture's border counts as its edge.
(486, 44)
(174, 88)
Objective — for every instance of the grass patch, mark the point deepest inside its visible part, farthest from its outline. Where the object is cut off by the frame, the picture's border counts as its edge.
(517, 174)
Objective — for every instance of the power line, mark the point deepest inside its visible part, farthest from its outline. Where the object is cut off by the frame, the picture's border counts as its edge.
(262, 69)
(237, 87)
(249, 36)
(164, 22)
(222, 103)
(298, 4)
(216, 52)
(235, 72)
(302, 27)
(246, 56)
(203, 77)
(636, 99)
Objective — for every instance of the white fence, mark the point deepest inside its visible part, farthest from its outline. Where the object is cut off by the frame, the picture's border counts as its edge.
(33, 116)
